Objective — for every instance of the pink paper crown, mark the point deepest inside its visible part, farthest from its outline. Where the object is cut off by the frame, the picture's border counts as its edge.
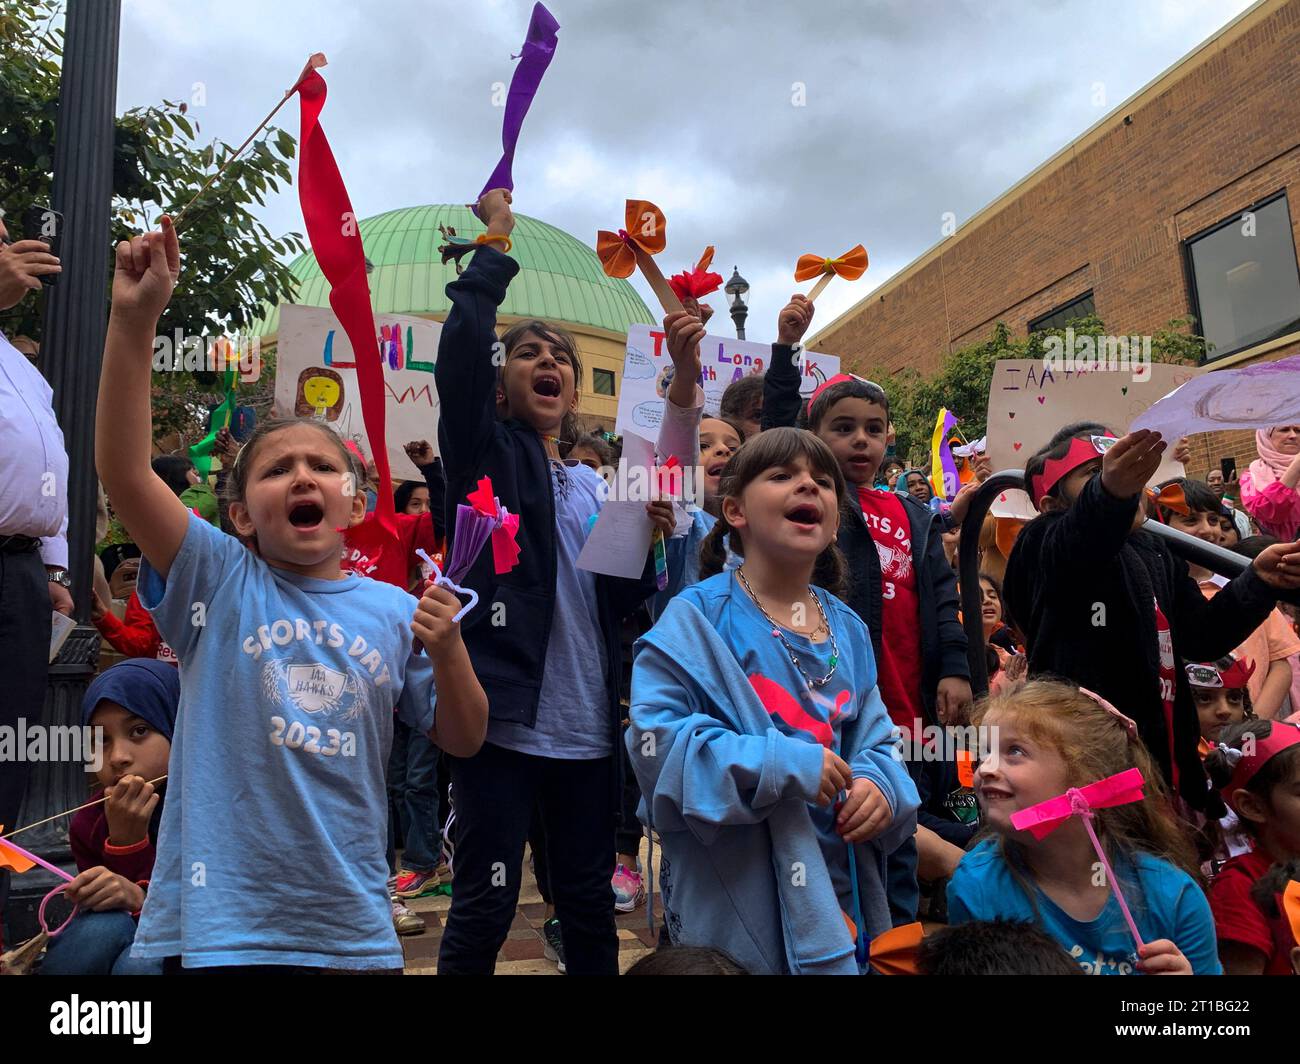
(1283, 736)
(1082, 449)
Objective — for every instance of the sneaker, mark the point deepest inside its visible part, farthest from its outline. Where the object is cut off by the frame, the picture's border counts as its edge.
(406, 922)
(629, 891)
(553, 949)
(416, 884)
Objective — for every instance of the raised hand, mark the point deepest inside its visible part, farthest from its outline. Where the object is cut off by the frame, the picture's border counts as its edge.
(145, 275)
(794, 319)
(494, 210)
(1279, 565)
(699, 310)
(1131, 462)
(420, 452)
(685, 331)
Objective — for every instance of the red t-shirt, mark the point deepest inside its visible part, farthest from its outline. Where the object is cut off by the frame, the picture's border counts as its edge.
(899, 667)
(369, 551)
(1238, 917)
(1168, 683)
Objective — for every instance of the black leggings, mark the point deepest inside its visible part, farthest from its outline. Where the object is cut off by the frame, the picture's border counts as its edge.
(496, 793)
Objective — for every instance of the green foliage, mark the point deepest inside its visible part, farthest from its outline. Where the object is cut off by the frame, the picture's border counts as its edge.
(963, 379)
(231, 264)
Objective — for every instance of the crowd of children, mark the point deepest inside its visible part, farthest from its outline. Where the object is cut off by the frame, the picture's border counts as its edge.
(798, 732)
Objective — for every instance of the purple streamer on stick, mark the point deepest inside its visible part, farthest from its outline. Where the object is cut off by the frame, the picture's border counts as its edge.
(539, 48)
(950, 474)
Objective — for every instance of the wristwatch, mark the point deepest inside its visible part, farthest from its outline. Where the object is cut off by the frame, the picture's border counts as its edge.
(60, 577)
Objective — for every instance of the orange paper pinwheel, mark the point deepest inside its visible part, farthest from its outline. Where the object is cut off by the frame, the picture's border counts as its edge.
(851, 265)
(635, 246)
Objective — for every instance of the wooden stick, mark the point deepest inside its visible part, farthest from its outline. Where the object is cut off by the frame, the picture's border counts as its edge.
(69, 812)
(651, 272)
(820, 286)
(312, 64)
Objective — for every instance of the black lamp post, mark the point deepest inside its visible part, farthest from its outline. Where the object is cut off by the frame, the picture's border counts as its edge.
(736, 289)
(71, 350)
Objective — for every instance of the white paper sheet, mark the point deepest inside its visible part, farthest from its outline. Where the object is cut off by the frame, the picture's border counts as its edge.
(619, 544)
(1253, 397)
(60, 628)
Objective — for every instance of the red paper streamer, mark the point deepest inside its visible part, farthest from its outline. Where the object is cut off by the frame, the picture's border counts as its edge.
(336, 240)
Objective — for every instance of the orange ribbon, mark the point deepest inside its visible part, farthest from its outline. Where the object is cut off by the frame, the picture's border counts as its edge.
(646, 229)
(1171, 497)
(851, 265)
(1291, 906)
(894, 951)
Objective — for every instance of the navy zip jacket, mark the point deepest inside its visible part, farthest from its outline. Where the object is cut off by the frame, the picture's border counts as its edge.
(1083, 588)
(507, 633)
(943, 640)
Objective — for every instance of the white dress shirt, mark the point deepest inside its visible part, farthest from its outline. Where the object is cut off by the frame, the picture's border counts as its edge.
(33, 463)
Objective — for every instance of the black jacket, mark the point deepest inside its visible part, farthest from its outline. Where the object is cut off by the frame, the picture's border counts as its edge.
(507, 633)
(943, 641)
(1081, 586)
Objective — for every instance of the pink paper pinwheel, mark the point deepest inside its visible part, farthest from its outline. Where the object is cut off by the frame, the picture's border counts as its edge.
(1042, 819)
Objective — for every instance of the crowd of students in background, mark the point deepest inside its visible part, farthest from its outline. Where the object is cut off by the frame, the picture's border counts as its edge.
(747, 719)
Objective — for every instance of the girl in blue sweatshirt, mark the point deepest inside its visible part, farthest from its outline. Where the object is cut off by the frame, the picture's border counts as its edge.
(761, 744)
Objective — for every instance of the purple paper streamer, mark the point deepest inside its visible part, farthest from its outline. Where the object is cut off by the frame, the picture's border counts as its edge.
(539, 48)
(946, 461)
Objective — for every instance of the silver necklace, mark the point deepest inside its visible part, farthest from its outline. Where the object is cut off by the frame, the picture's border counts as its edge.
(813, 682)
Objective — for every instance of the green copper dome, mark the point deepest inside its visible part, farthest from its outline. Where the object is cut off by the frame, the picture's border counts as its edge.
(560, 277)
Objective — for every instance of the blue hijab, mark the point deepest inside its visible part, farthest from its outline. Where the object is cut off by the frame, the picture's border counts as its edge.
(148, 688)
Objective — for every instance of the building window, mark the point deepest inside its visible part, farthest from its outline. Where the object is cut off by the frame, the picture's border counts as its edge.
(603, 381)
(1083, 307)
(1245, 287)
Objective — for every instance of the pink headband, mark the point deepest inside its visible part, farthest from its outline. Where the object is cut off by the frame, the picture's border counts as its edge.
(1082, 449)
(839, 378)
(1127, 723)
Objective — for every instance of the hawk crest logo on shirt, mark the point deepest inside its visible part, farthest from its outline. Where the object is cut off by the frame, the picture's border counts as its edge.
(895, 562)
(315, 689)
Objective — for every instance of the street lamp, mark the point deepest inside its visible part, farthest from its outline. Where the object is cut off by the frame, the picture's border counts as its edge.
(736, 289)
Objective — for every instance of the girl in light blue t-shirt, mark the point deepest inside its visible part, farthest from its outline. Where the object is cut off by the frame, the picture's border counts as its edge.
(291, 671)
(1039, 742)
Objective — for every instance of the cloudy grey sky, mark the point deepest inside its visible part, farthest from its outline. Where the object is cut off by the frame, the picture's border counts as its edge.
(909, 109)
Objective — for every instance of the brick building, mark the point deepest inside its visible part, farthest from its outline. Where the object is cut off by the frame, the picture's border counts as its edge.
(1182, 202)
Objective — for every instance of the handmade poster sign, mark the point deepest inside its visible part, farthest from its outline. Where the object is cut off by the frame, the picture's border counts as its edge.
(648, 369)
(316, 376)
(1029, 402)
(1253, 397)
